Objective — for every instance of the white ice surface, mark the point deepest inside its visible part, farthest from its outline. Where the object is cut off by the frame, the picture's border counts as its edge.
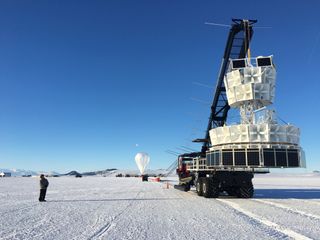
(284, 207)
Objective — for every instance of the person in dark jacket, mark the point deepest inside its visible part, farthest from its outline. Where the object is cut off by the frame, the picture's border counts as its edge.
(43, 188)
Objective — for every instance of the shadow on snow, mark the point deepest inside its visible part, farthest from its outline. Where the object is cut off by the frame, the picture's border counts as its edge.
(287, 193)
(114, 199)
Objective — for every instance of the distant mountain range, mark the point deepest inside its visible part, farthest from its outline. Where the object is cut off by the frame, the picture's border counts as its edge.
(107, 172)
(22, 172)
(101, 172)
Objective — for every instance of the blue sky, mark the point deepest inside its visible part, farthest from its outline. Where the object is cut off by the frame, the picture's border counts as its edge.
(86, 85)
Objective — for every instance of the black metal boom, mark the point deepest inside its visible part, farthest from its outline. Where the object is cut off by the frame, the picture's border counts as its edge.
(236, 48)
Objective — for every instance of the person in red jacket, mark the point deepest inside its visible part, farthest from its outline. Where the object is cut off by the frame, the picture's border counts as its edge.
(44, 183)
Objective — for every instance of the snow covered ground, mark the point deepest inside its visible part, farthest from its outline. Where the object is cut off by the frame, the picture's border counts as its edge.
(284, 207)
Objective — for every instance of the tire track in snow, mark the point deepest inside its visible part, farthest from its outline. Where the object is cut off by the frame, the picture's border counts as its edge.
(271, 232)
(272, 225)
(310, 201)
(35, 232)
(278, 205)
(105, 228)
(101, 231)
(38, 232)
(315, 202)
(20, 209)
(98, 218)
(96, 222)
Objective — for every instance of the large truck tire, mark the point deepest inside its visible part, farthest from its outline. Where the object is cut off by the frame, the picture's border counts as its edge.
(199, 187)
(232, 191)
(209, 188)
(246, 191)
(186, 187)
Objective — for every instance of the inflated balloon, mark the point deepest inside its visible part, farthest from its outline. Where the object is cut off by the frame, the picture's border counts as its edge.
(142, 160)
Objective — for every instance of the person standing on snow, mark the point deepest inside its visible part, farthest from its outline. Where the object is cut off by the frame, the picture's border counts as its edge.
(44, 183)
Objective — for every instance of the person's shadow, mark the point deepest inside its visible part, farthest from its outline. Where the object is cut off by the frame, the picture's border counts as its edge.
(115, 199)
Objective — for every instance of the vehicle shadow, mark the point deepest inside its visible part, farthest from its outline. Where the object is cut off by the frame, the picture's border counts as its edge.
(287, 193)
(114, 199)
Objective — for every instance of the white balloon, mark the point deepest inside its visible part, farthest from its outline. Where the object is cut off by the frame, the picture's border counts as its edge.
(142, 160)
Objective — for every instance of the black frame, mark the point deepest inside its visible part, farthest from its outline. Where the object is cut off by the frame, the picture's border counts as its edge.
(236, 48)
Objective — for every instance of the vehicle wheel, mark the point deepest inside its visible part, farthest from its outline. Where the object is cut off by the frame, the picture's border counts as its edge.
(187, 187)
(246, 191)
(209, 188)
(199, 187)
(232, 191)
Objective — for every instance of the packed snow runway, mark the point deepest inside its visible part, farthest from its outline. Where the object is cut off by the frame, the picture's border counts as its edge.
(284, 207)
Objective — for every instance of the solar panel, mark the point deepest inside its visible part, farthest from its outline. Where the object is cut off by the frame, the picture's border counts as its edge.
(239, 63)
(293, 158)
(281, 157)
(227, 158)
(253, 157)
(268, 156)
(239, 157)
(264, 61)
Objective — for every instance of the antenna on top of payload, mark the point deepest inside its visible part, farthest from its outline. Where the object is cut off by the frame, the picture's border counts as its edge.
(235, 21)
(218, 24)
